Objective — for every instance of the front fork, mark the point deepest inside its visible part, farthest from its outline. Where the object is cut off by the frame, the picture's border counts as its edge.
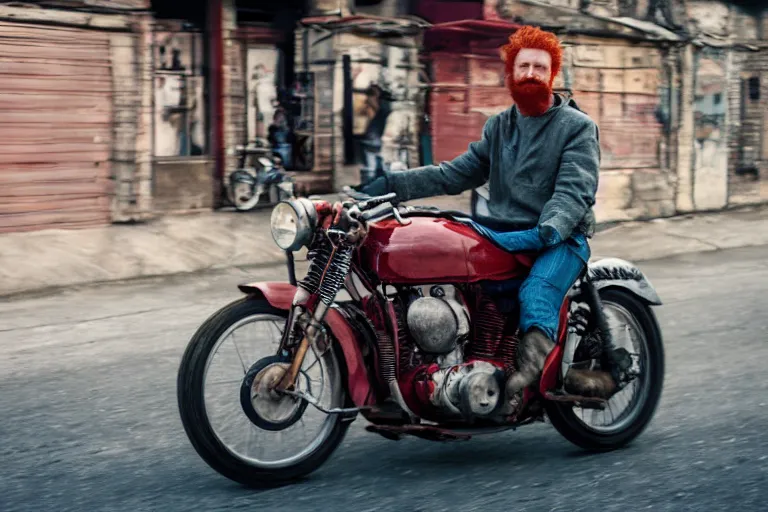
(312, 331)
(324, 280)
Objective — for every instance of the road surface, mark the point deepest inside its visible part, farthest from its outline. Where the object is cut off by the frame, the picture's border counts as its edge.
(89, 421)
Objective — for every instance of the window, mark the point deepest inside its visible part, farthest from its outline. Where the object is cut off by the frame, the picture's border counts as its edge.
(718, 98)
(753, 85)
(179, 92)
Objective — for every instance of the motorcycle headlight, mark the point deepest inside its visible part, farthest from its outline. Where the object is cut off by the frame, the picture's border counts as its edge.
(293, 223)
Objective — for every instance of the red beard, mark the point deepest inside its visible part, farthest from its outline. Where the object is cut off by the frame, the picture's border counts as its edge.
(533, 97)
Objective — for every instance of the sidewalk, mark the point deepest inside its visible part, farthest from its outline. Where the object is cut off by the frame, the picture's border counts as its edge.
(214, 240)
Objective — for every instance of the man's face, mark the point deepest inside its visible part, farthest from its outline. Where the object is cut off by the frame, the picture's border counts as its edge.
(530, 81)
(533, 63)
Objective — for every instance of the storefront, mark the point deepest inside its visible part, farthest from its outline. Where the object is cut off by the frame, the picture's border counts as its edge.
(368, 101)
(181, 106)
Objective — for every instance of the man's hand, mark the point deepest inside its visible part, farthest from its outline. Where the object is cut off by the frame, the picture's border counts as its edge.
(377, 187)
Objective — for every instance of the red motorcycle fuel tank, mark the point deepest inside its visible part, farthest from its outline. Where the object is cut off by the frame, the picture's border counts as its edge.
(434, 250)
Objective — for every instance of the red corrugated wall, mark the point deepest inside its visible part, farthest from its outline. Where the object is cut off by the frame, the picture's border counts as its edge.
(466, 90)
(55, 127)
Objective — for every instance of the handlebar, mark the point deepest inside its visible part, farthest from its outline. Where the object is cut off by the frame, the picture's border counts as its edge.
(375, 201)
(377, 211)
(375, 208)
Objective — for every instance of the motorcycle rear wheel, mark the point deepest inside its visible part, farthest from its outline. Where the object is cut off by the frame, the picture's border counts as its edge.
(205, 439)
(566, 420)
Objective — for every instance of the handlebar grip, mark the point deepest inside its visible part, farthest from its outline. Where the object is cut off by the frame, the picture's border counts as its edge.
(376, 211)
(374, 201)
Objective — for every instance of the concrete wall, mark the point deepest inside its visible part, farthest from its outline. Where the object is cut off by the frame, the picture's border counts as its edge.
(233, 87)
(745, 56)
(131, 56)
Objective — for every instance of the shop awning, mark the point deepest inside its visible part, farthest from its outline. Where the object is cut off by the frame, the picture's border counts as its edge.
(468, 35)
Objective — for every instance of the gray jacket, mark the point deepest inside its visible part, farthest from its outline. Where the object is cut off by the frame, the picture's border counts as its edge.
(540, 171)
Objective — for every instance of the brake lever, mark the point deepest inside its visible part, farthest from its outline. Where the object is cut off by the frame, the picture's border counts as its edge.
(399, 218)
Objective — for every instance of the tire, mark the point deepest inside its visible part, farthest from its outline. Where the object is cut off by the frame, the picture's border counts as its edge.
(194, 418)
(251, 203)
(568, 424)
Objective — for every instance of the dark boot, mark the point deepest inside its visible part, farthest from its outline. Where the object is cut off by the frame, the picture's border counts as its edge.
(589, 383)
(532, 353)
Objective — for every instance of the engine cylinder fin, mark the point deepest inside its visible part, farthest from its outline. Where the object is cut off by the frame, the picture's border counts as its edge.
(386, 356)
(495, 335)
(405, 344)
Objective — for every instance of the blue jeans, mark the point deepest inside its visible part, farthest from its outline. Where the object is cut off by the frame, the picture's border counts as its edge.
(554, 272)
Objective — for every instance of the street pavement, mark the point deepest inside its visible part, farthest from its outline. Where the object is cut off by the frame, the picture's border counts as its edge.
(89, 419)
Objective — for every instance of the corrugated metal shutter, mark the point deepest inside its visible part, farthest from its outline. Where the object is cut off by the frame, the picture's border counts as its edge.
(55, 127)
(466, 91)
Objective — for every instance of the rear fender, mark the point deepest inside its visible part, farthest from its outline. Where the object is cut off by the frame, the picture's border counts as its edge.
(280, 296)
(618, 273)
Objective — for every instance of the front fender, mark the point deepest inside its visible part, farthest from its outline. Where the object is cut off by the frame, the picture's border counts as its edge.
(280, 296)
(618, 273)
(241, 176)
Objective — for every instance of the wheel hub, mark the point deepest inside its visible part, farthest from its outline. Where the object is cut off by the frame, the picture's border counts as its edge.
(266, 408)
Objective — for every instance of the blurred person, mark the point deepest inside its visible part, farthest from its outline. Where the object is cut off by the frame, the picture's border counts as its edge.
(540, 159)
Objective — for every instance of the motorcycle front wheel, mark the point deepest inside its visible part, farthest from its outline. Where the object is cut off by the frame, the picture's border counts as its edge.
(633, 326)
(235, 424)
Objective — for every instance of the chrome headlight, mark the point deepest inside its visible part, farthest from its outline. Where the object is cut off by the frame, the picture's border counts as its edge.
(293, 223)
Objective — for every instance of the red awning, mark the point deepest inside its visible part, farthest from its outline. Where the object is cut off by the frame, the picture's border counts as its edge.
(463, 34)
(481, 28)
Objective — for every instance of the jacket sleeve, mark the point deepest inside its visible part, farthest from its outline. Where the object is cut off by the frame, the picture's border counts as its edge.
(575, 185)
(467, 171)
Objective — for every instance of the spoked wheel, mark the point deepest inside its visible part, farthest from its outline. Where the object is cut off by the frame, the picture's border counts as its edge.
(629, 411)
(245, 197)
(235, 422)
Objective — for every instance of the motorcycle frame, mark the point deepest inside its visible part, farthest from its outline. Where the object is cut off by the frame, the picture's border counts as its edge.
(361, 380)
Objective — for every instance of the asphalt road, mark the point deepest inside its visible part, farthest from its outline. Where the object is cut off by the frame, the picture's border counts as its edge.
(88, 417)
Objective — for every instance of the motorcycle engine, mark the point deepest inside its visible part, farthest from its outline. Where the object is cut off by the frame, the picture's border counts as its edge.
(437, 318)
(442, 371)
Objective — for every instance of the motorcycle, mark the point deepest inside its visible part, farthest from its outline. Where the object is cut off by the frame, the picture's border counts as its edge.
(263, 183)
(406, 316)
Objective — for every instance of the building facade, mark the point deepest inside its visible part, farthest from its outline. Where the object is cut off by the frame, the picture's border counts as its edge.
(125, 110)
(678, 91)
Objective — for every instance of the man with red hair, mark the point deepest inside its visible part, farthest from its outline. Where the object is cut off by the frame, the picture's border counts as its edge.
(540, 159)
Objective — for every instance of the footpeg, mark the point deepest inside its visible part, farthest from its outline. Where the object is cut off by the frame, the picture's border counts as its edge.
(590, 383)
(584, 402)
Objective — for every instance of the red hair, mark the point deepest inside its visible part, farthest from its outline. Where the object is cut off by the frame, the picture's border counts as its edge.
(535, 38)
